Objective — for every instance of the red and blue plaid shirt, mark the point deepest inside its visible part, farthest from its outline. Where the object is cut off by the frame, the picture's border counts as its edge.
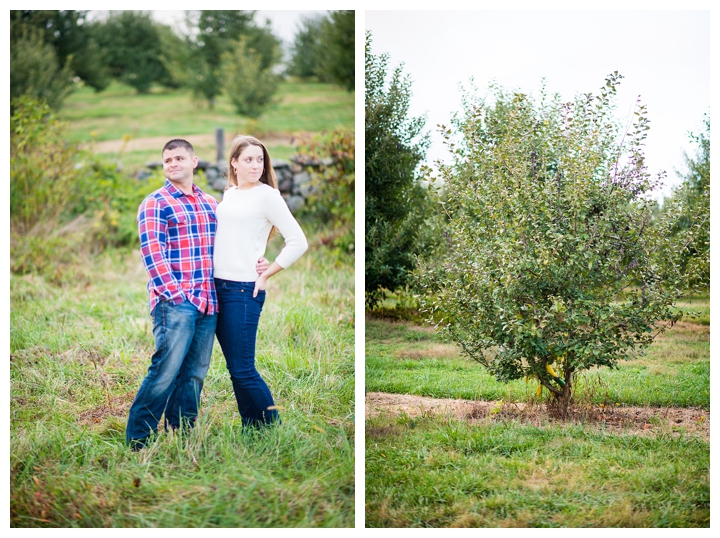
(177, 233)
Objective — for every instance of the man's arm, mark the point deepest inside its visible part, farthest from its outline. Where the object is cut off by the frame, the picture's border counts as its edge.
(152, 226)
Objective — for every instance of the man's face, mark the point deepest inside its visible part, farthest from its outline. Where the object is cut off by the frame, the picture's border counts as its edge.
(178, 165)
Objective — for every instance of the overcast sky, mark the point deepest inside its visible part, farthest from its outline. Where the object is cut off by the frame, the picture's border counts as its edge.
(663, 55)
(283, 22)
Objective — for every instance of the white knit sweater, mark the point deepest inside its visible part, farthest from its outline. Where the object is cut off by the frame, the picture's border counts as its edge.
(244, 220)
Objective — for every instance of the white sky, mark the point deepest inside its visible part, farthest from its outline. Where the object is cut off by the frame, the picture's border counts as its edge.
(284, 23)
(663, 55)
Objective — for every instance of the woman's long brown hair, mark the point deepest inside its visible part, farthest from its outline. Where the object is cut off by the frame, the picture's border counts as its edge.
(239, 144)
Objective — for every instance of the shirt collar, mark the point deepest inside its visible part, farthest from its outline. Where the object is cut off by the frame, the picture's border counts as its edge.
(177, 193)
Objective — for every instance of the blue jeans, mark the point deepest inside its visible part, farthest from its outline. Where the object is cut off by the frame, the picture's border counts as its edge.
(183, 347)
(236, 331)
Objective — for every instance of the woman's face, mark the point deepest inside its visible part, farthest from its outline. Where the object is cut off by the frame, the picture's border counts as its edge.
(249, 166)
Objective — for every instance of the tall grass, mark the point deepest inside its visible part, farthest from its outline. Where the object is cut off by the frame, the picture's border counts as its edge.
(434, 472)
(78, 355)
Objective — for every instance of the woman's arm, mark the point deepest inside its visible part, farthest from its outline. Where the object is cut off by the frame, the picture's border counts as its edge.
(277, 212)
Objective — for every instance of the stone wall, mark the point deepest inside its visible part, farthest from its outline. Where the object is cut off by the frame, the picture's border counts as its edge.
(293, 177)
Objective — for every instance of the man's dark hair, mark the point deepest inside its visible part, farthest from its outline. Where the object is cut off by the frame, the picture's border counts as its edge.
(179, 143)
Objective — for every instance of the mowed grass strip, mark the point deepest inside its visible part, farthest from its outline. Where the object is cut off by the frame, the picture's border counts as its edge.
(78, 356)
(435, 470)
(119, 111)
(407, 358)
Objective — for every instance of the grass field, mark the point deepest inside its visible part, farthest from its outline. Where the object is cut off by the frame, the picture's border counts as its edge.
(119, 112)
(438, 470)
(79, 351)
(78, 355)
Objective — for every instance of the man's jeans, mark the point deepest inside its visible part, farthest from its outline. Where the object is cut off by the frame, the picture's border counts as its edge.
(183, 347)
(236, 331)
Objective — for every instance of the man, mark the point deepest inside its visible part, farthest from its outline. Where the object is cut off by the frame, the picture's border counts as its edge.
(177, 231)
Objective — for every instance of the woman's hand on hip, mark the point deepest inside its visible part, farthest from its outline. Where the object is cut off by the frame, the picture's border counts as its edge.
(262, 265)
(260, 284)
(261, 281)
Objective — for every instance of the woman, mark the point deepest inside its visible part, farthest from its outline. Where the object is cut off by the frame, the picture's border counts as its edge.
(250, 212)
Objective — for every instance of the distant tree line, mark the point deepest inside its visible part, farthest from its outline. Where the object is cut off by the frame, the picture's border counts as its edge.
(324, 48)
(220, 52)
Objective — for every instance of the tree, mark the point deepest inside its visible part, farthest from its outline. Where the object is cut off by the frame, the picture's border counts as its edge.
(307, 49)
(394, 199)
(68, 33)
(337, 41)
(249, 85)
(688, 208)
(198, 65)
(35, 71)
(552, 267)
(133, 48)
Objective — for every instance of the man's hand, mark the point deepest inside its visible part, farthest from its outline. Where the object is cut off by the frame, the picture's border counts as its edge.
(262, 266)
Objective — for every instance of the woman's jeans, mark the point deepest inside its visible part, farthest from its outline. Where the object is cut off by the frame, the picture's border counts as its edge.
(236, 331)
(183, 347)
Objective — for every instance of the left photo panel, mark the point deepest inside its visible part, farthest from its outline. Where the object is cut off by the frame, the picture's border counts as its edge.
(182, 268)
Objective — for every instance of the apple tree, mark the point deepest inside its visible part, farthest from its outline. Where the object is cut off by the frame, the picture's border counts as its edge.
(552, 266)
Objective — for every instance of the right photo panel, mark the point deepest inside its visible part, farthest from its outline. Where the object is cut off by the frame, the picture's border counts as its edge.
(537, 269)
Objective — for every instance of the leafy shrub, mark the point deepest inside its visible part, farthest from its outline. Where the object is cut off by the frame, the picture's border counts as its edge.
(35, 70)
(332, 199)
(688, 209)
(552, 256)
(249, 85)
(65, 204)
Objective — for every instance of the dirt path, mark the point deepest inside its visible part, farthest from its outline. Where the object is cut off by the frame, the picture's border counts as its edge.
(644, 420)
(157, 142)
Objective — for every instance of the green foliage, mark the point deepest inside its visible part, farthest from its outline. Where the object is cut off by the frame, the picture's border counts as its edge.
(41, 164)
(307, 50)
(64, 204)
(250, 86)
(331, 199)
(35, 71)
(198, 64)
(395, 202)
(553, 252)
(688, 210)
(337, 43)
(132, 48)
(68, 33)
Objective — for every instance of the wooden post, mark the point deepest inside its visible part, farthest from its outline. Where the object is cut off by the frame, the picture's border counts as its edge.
(220, 145)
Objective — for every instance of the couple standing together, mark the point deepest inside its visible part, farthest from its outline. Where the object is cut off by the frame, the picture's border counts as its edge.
(208, 276)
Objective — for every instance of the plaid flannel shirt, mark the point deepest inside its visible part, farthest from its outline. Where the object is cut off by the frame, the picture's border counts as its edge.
(177, 233)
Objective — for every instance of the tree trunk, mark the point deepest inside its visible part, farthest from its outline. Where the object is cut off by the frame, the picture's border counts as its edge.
(561, 401)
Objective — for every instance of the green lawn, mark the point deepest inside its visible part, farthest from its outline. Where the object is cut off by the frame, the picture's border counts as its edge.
(78, 356)
(441, 471)
(119, 111)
